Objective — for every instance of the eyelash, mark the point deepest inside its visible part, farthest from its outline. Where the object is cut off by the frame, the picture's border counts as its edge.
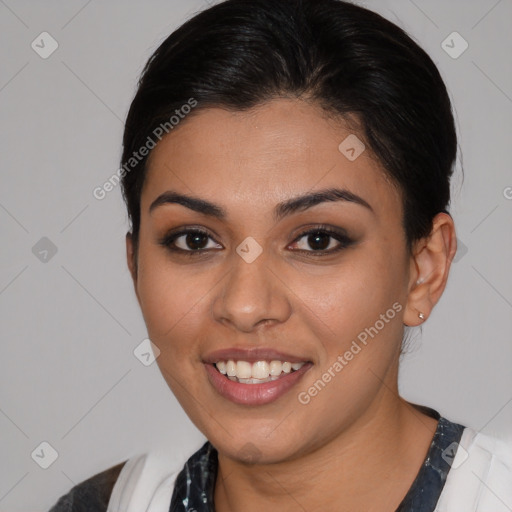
(343, 239)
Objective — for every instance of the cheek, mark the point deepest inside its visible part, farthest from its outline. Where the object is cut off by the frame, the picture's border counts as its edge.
(172, 299)
(356, 313)
(346, 299)
(174, 306)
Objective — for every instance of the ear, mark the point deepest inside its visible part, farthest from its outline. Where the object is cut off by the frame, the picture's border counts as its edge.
(131, 259)
(430, 266)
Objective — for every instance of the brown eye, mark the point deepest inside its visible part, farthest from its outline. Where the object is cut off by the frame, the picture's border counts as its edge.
(319, 241)
(322, 241)
(191, 240)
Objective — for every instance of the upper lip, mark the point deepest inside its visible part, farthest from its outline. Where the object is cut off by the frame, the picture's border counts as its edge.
(251, 355)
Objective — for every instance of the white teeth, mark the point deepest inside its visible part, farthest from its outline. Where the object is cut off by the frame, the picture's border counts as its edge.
(257, 372)
(260, 370)
(231, 368)
(243, 370)
(276, 367)
(253, 381)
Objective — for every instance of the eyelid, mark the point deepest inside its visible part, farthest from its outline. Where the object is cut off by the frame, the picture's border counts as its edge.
(324, 228)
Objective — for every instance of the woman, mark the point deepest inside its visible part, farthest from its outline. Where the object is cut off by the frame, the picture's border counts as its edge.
(286, 170)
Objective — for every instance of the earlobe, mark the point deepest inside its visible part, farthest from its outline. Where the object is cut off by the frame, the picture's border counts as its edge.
(430, 266)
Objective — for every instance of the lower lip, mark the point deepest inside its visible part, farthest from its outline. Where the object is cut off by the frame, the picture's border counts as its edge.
(254, 394)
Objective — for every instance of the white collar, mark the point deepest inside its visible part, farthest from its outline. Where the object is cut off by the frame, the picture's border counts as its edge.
(480, 479)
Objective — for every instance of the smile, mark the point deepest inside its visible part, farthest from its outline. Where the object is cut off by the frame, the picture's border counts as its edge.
(272, 380)
(257, 372)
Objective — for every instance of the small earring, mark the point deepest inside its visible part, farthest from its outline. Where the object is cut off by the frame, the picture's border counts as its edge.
(421, 315)
(420, 280)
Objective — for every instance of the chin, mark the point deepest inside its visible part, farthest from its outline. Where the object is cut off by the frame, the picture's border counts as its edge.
(258, 447)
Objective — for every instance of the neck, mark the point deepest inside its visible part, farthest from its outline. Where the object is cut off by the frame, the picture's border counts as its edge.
(369, 466)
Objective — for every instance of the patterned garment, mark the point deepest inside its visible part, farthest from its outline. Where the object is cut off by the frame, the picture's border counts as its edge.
(195, 484)
(194, 487)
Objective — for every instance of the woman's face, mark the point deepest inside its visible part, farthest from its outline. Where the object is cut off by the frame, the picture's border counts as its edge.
(254, 287)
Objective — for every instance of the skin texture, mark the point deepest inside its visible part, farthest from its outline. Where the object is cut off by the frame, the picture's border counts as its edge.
(356, 445)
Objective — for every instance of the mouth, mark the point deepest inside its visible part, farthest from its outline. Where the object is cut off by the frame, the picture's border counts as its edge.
(256, 382)
(257, 372)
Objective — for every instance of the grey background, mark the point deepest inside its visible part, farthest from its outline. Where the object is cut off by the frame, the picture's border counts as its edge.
(70, 324)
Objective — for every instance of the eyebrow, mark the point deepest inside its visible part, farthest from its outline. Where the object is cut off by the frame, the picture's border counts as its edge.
(286, 208)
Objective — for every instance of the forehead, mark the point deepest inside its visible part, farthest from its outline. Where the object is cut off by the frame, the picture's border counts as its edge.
(279, 149)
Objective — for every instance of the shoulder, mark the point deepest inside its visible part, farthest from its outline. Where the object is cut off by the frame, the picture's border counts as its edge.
(480, 478)
(145, 480)
(135, 484)
(91, 495)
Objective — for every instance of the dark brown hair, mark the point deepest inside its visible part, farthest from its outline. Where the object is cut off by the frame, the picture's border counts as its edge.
(241, 53)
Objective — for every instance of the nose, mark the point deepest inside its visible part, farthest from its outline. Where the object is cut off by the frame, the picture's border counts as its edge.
(251, 296)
